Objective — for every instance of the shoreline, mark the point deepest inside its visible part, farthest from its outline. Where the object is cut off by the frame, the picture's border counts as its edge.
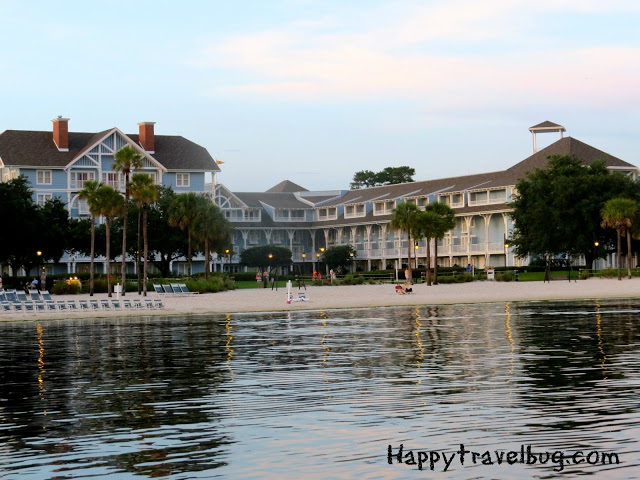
(345, 297)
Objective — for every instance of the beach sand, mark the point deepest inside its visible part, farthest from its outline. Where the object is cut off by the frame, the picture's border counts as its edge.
(356, 296)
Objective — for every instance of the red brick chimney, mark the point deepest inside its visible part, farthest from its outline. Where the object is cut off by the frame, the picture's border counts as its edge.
(61, 133)
(147, 138)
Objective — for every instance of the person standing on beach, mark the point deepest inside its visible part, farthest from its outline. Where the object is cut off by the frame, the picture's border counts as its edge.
(43, 280)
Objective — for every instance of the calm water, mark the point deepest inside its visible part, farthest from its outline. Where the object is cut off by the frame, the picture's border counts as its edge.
(323, 394)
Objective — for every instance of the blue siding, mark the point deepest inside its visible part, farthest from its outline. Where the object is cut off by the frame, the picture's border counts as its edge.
(107, 163)
(196, 182)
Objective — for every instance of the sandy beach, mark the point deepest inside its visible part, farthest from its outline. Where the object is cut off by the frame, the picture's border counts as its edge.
(357, 296)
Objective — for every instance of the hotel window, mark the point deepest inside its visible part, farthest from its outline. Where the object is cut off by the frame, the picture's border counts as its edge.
(42, 198)
(43, 177)
(78, 178)
(182, 179)
(83, 207)
(112, 179)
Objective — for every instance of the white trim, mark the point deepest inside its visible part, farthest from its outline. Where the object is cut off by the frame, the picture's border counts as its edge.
(43, 172)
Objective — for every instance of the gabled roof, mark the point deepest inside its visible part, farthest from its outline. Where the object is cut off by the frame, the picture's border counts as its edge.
(26, 148)
(564, 146)
(286, 186)
(276, 200)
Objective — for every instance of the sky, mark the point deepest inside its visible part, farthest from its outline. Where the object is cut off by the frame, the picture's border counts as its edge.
(313, 91)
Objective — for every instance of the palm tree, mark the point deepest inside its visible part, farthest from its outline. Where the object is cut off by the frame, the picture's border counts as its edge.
(145, 192)
(404, 218)
(110, 204)
(126, 159)
(182, 213)
(618, 213)
(447, 222)
(89, 193)
(427, 226)
(210, 228)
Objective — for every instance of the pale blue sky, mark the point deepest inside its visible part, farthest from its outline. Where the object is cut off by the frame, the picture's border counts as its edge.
(313, 91)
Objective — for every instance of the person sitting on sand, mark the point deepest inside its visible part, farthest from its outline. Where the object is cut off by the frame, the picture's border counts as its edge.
(400, 290)
(407, 288)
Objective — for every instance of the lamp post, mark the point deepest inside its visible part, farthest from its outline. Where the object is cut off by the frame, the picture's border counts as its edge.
(304, 257)
(506, 251)
(39, 254)
(354, 263)
(416, 247)
(595, 246)
(228, 261)
(269, 273)
(326, 267)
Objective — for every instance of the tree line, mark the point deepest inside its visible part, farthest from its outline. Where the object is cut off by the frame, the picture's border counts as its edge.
(166, 225)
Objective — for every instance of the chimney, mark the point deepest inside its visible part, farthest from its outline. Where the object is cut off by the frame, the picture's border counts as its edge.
(147, 139)
(61, 133)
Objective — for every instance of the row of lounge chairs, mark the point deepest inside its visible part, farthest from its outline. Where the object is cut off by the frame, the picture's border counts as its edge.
(81, 305)
(173, 289)
(11, 295)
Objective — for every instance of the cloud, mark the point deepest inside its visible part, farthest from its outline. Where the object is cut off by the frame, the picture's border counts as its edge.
(456, 54)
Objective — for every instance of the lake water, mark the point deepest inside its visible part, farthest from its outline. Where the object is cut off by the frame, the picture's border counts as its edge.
(324, 394)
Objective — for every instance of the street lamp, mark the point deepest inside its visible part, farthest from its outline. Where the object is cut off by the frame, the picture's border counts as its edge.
(354, 263)
(304, 257)
(228, 261)
(506, 251)
(39, 254)
(595, 246)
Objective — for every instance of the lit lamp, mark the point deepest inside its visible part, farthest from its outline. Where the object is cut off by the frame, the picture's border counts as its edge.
(595, 246)
(228, 260)
(39, 254)
(327, 267)
(354, 265)
(506, 252)
(304, 257)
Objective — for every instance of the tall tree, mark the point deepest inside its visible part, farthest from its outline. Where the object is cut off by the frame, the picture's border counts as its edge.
(618, 213)
(145, 193)
(557, 209)
(404, 217)
(212, 229)
(110, 204)
(427, 226)
(446, 221)
(90, 194)
(126, 159)
(182, 213)
(388, 176)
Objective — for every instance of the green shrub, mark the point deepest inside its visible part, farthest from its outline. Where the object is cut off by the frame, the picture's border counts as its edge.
(504, 276)
(351, 279)
(64, 288)
(212, 285)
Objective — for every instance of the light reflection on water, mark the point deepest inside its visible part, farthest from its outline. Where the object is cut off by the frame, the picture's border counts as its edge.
(320, 394)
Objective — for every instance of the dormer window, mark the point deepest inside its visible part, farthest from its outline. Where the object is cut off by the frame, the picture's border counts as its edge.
(354, 210)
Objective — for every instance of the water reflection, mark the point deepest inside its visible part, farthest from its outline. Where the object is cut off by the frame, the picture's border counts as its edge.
(318, 394)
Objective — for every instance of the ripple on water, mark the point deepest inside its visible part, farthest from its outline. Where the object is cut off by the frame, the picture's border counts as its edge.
(320, 394)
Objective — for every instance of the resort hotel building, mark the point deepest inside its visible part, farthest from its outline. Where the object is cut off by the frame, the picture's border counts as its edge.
(58, 162)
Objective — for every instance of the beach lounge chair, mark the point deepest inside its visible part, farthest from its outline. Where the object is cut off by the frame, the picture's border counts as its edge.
(115, 304)
(6, 306)
(45, 295)
(40, 306)
(148, 303)
(62, 305)
(28, 306)
(184, 289)
(104, 303)
(11, 296)
(17, 306)
(126, 303)
(51, 305)
(137, 303)
(35, 296)
(158, 303)
(22, 297)
(167, 289)
(158, 289)
(176, 288)
(94, 304)
(84, 305)
(72, 305)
